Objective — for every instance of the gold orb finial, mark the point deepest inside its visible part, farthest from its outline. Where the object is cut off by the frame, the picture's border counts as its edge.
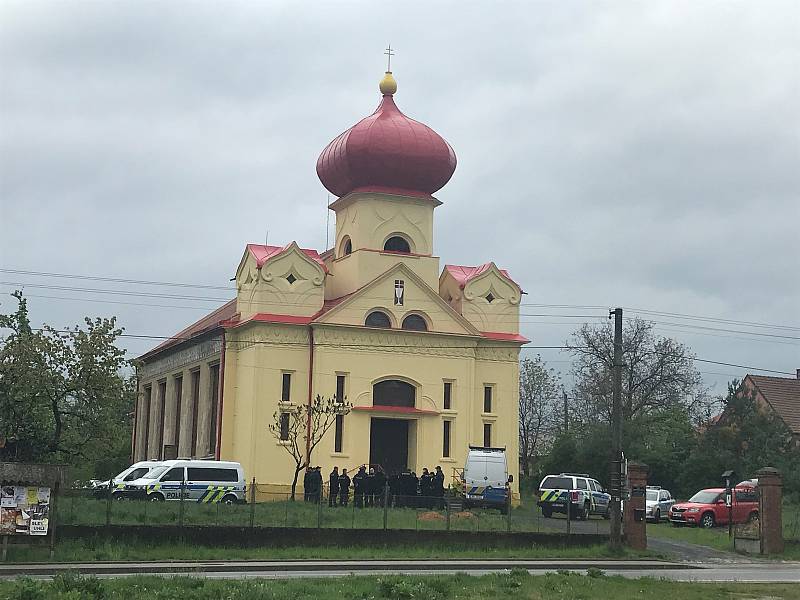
(388, 85)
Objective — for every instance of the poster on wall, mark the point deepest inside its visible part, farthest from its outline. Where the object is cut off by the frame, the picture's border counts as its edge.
(24, 510)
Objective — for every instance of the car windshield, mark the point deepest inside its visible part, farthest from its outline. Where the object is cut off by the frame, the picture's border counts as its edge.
(652, 494)
(557, 483)
(704, 497)
(157, 472)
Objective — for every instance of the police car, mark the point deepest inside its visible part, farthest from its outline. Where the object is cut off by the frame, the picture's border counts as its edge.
(135, 471)
(202, 481)
(583, 495)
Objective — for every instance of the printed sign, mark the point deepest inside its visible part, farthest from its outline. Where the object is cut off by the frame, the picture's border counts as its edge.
(24, 510)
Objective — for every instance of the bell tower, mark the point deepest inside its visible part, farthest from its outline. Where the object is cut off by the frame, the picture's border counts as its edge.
(384, 171)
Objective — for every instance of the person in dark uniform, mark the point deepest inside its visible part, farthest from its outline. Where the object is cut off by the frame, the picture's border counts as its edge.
(369, 488)
(333, 486)
(425, 481)
(358, 487)
(404, 488)
(316, 478)
(438, 486)
(379, 485)
(394, 490)
(413, 489)
(344, 488)
(307, 484)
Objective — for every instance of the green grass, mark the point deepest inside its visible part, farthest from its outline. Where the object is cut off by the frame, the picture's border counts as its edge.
(718, 539)
(83, 510)
(516, 584)
(133, 549)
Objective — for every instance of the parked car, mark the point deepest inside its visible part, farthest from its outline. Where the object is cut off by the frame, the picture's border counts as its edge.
(202, 481)
(707, 507)
(486, 478)
(582, 494)
(658, 502)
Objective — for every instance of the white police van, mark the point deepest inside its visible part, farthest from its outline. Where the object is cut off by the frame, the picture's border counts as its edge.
(486, 478)
(202, 481)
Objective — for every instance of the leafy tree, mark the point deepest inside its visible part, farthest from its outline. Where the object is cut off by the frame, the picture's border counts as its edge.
(658, 373)
(744, 438)
(539, 410)
(301, 427)
(62, 393)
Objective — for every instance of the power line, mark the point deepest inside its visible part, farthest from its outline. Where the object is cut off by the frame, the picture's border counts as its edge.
(373, 345)
(540, 305)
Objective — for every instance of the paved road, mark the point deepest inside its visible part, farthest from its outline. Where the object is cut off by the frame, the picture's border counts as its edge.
(754, 573)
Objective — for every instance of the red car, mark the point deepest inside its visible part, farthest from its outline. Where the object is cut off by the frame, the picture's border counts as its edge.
(707, 507)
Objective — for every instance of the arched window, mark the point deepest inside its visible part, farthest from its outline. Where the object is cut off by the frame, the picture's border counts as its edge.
(378, 318)
(415, 323)
(394, 393)
(397, 244)
(347, 248)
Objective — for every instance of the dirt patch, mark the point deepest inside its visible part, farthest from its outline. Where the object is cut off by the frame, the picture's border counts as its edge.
(464, 514)
(430, 516)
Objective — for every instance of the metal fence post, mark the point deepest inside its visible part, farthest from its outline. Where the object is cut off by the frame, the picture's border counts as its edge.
(319, 509)
(146, 502)
(508, 511)
(253, 503)
(569, 517)
(447, 513)
(385, 506)
(180, 508)
(108, 502)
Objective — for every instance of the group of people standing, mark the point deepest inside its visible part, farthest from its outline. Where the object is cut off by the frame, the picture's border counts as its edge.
(374, 488)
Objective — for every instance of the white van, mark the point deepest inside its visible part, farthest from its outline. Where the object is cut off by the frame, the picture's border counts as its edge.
(202, 481)
(486, 478)
(135, 471)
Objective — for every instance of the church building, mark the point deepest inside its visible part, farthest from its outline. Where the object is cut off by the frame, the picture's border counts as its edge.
(427, 356)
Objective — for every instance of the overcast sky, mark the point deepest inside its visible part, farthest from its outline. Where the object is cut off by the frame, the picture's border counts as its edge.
(643, 154)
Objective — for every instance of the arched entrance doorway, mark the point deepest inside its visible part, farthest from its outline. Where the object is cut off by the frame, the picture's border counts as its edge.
(388, 436)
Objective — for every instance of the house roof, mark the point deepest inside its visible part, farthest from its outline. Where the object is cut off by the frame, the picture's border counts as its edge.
(463, 274)
(783, 395)
(210, 322)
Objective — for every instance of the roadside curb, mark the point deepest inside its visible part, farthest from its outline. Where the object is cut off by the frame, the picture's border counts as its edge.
(189, 567)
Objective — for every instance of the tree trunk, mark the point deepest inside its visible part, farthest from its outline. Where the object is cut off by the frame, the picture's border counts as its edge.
(297, 470)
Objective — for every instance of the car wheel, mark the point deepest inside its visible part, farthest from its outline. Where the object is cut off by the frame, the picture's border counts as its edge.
(229, 499)
(657, 517)
(156, 498)
(547, 512)
(118, 496)
(607, 514)
(753, 516)
(707, 520)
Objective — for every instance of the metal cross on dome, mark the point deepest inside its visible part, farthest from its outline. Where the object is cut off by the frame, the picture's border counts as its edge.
(389, 53)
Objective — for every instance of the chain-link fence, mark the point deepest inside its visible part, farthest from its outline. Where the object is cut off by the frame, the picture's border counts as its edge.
(265, 507)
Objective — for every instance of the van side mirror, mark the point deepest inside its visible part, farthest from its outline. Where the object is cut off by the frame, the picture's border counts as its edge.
(510, 478)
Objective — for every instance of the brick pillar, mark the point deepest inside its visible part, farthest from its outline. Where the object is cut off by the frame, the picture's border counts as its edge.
(634, 514)
(770, 487)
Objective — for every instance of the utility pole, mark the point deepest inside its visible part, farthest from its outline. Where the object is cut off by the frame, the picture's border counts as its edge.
(616, 435)
(566, 412)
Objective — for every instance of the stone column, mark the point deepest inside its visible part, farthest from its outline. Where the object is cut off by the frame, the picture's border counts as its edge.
(770, 487)
(635, 507)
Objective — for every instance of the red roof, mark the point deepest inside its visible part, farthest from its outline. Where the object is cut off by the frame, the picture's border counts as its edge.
(387, 152)
(208, 323)
(505, 337)
(463, 274)
(263, 253)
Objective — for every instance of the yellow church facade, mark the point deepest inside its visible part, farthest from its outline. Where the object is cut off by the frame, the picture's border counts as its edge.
(426, 354)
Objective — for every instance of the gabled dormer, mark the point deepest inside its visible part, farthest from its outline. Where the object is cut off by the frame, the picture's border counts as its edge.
(280, 280)
(486, 296)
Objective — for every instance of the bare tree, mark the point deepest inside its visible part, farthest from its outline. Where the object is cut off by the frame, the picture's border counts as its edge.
(658, 373)
(539, 391)
(299, 428)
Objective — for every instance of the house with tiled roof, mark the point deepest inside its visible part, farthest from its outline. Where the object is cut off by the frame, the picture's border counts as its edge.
(780, 395)
(427, 356)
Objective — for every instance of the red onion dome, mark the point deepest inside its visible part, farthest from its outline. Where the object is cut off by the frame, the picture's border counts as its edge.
(387, 152)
